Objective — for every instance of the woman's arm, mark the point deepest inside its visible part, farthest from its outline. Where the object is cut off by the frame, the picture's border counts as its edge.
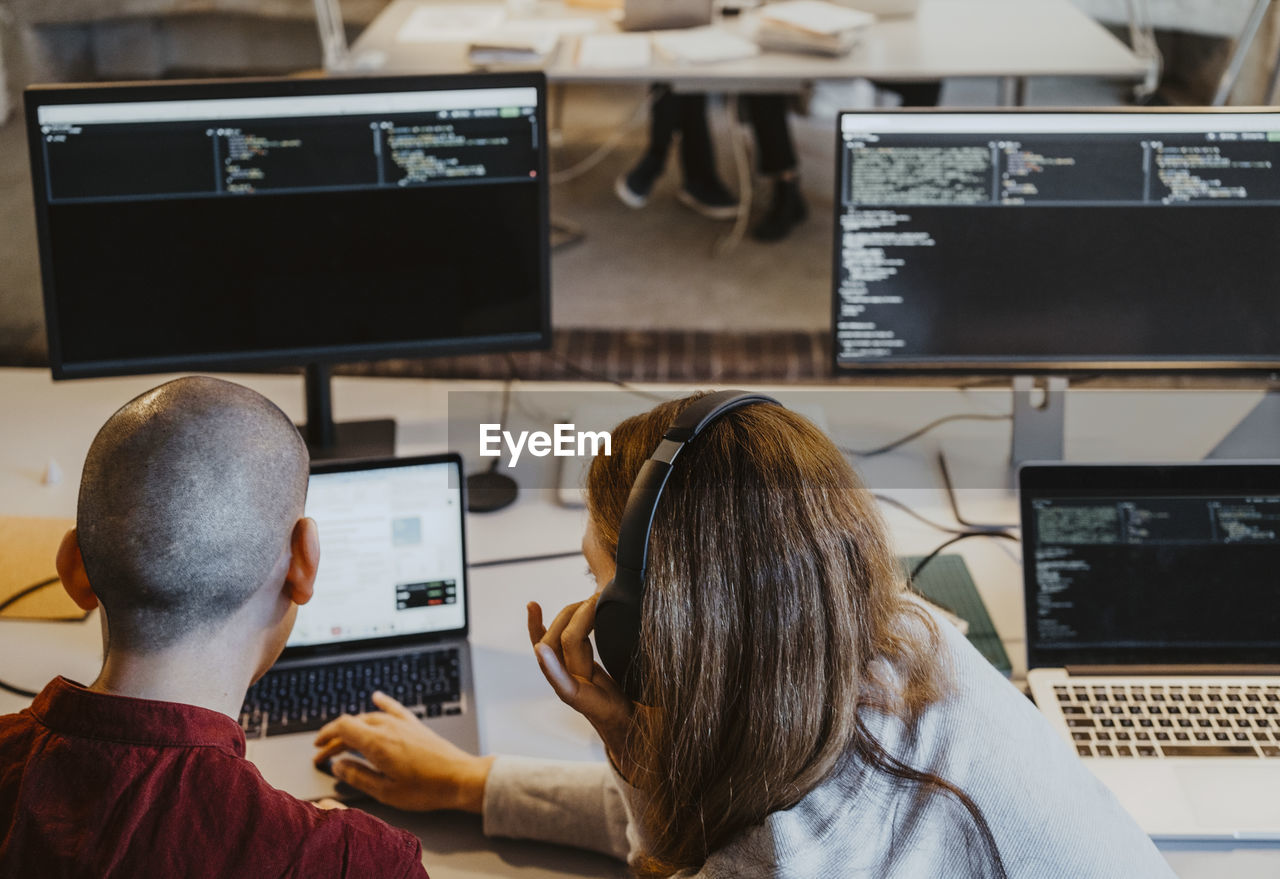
(409, 766)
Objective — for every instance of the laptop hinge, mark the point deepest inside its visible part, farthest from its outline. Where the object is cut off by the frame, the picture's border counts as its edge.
(1173, 670)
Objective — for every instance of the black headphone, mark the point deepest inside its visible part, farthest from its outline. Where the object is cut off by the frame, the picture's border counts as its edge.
(617, 625)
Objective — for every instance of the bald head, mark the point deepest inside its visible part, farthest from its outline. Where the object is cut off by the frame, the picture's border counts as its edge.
(189, 496)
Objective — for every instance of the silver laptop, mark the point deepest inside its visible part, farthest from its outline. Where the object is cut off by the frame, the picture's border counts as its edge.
(652, 15)
(389, 613)
(1153, 635)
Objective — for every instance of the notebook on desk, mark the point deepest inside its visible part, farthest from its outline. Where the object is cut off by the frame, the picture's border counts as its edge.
(1153, 635)
(389, 613)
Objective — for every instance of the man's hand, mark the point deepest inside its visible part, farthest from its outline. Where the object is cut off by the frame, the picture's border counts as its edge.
(565, 656)
(413, 767)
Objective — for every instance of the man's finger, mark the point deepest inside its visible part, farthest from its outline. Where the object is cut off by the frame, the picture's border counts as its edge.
(576, 646)
(390, 705)
(361, 777)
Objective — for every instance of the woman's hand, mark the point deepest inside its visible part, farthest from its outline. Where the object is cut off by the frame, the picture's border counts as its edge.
(413, 767)
(565, 656)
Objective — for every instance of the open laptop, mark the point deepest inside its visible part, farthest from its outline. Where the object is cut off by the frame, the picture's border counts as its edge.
(389, 613)
(1153, 635)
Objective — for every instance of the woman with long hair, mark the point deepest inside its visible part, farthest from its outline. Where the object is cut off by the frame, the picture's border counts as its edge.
(798, 713)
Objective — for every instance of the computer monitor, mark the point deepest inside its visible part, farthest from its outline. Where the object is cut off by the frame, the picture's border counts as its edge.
(247, 224)
(1063, 241)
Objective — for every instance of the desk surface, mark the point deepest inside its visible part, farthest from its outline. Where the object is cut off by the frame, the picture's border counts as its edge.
(517, 711)
(946, 38)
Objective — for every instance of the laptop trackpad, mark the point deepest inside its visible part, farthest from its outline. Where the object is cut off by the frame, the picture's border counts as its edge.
(1234, 797)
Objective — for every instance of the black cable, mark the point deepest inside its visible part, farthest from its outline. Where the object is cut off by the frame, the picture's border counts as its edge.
(525, 559)
(955, 505)
(897, 504)
(5, 605)
(920, 565)
(582, 372)
(18, 596)
(921, 431)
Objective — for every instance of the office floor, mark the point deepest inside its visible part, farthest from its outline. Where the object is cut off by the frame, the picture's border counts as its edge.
(655, 268)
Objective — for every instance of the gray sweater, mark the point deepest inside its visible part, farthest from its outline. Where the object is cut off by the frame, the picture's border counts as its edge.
(1050, 817)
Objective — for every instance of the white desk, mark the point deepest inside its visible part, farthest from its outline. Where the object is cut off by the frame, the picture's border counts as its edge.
(517, 711)
(1010, 39)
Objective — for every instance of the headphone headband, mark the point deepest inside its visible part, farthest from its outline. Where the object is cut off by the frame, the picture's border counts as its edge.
(618, 608)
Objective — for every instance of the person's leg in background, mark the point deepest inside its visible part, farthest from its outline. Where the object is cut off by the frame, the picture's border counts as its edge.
(925, 93)
(776, 156)
(702, 189)
(664, 115)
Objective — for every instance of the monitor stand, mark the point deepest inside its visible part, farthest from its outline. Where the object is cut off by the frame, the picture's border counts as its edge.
(1039, 421)
(347, 440)
(1257, 436)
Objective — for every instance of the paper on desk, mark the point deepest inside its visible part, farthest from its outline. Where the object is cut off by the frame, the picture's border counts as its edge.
(450, 23)
(28, 546)
(816, 16)
(614, 51)
(703, 45)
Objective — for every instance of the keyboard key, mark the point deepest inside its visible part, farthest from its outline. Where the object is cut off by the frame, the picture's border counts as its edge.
(1084, 750)
(1271, 750)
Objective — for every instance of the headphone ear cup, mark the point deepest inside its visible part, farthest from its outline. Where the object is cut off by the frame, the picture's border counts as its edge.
(617, 631)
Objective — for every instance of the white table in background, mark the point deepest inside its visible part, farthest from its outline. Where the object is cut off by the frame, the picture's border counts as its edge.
(1012, 40)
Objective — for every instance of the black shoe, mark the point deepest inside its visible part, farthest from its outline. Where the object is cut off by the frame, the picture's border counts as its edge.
(709, 198)
(633, 188)
(786, 211)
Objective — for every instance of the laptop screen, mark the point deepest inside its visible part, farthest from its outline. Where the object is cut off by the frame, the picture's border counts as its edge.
(391, 552)
(1152, 564)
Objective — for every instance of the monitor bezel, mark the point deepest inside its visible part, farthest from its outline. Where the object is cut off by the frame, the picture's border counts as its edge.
(453, 459)
(1065, 480)
(1009, 366)
(37, 96)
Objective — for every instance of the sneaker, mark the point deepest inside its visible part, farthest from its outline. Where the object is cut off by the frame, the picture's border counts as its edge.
(633, 188)
(786, 211)
(709, 198)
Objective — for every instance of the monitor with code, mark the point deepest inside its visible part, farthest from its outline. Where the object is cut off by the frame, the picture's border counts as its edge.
(248, 223)
(1066, 240)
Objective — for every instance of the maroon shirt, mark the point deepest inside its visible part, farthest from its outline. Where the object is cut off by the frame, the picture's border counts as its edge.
(94, 785)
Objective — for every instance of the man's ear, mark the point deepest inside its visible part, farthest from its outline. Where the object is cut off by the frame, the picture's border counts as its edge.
(70, 567)
(304, 562)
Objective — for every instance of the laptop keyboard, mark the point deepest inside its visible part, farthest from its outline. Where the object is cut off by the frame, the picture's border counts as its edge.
(305, 698)
(1172, 720)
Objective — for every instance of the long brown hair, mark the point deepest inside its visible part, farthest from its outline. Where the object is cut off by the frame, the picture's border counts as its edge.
(770, 589)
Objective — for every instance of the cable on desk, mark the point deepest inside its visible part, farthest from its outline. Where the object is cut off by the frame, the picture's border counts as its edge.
(526, 559)
(582, 372)
(5, 605)
(573, 172)
(921, 431)
(920, 565)
(955, 505)
(899, 505)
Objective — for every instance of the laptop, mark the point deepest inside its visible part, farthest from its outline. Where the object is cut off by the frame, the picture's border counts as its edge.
(389, 613)
(1153, 635)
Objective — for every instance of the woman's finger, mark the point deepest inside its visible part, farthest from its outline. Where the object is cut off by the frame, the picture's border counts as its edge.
(552, 636)
(536, 628)
(575, 644)
(564, 684)
(391, 706)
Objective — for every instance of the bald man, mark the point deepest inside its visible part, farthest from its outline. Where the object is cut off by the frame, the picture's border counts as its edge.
(190, 537)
